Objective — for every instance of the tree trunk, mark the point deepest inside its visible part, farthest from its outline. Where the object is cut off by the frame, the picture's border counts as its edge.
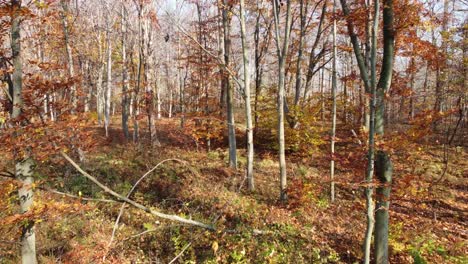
(248, 110)
(383, 172)
(99, 90)
(441, 81)
(24, 166)
(412, 96)
(292, 119)
(66, 34)
(333, 130)
(125, 101)
(282, 52)
(228, 87)
(138, 77)
(258, 70)
(108, 97)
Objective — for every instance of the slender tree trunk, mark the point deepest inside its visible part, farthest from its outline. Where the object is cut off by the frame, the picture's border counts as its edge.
(371, 152)
(303, 17)
(333, 130)
(384, 170)
(99, 88)
(25, 165)
(108, 97)
(71, 73)
(441, 81)
(125, 101)
(412, 96)
(292, 119)
(220, 39)
(426, 79)
(322, 91)
(182, 98)
(248, 110)
(228, 87)
(258, 70)
(139, 72)
(158, 98)
(282, 52)
(89, 96)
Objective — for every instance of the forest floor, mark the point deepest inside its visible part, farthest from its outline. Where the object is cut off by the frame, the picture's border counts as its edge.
(428, 221)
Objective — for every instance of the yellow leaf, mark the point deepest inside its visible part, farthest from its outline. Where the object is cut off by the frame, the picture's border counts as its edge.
(215, 246)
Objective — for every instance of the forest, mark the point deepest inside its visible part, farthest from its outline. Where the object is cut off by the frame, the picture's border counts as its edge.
(234, 131)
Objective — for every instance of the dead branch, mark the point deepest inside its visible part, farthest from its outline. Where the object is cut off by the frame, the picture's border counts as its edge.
(135, 204)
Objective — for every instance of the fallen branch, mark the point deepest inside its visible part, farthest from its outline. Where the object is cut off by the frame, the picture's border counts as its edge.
(116, 224)
(135, 204)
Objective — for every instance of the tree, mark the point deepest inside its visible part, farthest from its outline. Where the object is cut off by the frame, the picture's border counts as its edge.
(333, 130)
(262, 43)
(24, 167)
(66, 33)
(282, 47)
(248, 111)
(377, 107)
(227, 87)
(108, 94)
(125, 92)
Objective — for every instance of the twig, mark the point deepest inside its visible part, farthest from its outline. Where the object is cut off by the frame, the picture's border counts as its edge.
(7, 174)
(135, 204)
(181, 252)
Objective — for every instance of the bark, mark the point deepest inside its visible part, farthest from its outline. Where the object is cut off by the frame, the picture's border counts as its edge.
(17, 76)
(222, 96)
(66, 34)
(89, 95)
(108, 95)
(412, 99)
(441, 81)
(139, 72)
(248, 110)
(282, 52)
(228, 87)
(303, 17)
(333, 130)
(387, 65)
(383, 169)
(182, 98)
(371, 151)
(99, 90)
(292, 118)
(24, 173)
(125, 97)
(377, 109)
(24, 167)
